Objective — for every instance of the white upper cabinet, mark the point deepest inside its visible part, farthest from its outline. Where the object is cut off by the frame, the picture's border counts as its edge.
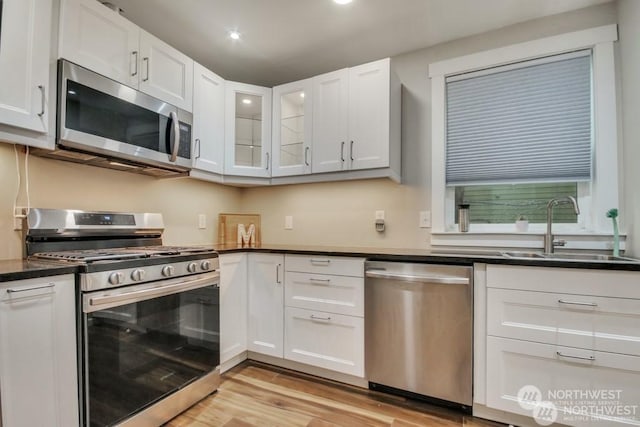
(24, 64)
(330, 122)
(292, 128)
(247, 130)
(369, 113)
(98, 38)
(356, 119)
(165, 72)
(208, 120)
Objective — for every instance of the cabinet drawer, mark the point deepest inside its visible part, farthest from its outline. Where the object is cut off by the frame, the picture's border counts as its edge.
(342, 266)
(621, 284)
(570, 381)
(333, 294)
(596, 323)
(326, 340)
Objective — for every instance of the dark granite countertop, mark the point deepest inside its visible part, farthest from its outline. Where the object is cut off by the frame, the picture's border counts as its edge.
(20, 269)
(432, 256)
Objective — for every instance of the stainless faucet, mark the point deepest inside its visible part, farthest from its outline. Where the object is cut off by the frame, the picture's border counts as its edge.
(549, 243)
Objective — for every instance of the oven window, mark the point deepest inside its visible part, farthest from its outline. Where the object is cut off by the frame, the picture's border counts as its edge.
(138, 353)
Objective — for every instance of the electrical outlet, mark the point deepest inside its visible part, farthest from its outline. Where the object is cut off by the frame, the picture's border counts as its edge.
(288, 222)
(380, 215)
(425, 219)
(202, 221)
(17, 224)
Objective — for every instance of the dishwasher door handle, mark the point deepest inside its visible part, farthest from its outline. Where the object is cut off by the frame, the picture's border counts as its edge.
(418, 278)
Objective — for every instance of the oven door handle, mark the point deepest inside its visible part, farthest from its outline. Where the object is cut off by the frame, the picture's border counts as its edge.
(96, 303)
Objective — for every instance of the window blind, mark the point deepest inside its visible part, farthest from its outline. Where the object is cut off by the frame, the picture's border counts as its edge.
(527, 122)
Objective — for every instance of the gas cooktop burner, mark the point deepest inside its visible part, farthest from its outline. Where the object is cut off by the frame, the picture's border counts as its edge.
(118, 254)
(91, 255)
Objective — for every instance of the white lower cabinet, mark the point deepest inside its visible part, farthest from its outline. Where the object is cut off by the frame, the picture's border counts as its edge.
(38, 361)
(266, 305)
(324, 312)
(233, 305)
(568, 338)
(327, 340)
(565, 377)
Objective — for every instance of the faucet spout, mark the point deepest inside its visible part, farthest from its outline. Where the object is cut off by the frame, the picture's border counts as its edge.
(548, 238)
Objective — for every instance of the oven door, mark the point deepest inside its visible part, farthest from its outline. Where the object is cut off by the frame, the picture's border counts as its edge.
(99, 115)
(144, 342)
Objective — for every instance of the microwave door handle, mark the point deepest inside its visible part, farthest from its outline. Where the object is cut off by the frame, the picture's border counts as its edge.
(175, 136)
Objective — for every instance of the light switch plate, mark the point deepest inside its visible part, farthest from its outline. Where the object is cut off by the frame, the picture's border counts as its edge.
(202, 221)
(425, 219)
(380, 215)
(288, 222)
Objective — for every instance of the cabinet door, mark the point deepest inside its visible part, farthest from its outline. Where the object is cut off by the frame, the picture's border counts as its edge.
(369, 90)
(97, 38)
(165, 72)
(330, 131)
(292, 114)
(208, 120)
(266, 294)
(247, 130)
(38, 353)
(24, 63)
(233, 305)
(569, 378)
(327, 340)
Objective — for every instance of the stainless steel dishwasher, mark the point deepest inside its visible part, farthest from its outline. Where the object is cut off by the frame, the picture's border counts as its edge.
(419, 330)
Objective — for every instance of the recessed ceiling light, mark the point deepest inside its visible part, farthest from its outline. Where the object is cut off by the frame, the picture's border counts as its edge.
(342, 1)
(301, 94)
(234, 35)
(246, 101)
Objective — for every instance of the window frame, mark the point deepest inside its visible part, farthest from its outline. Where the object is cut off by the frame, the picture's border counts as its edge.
(595, 197)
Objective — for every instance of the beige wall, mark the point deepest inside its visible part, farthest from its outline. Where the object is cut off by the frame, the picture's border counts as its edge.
(57, 184)
(342, 213)
(629, 30)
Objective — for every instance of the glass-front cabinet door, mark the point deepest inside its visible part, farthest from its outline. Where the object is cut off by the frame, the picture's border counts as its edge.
(292, 115)
(248, 130)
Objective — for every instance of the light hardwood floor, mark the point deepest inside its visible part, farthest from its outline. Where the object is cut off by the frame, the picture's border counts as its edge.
(255, 394)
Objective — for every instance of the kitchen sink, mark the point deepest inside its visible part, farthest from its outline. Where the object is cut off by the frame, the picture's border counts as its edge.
(568, 257)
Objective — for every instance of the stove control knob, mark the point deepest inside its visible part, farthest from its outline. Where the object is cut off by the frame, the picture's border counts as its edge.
(205, 265)
(116, 278)
(168, 270)
(137, 275)
(192, 267)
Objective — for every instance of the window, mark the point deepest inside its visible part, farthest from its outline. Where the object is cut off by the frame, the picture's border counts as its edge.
(516, 126)
(529, 122)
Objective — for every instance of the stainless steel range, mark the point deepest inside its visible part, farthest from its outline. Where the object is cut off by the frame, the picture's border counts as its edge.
(148, 315)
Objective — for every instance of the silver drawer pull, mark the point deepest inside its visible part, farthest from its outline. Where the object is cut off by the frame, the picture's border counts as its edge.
(13, 291)
(590, 358)
(320, 261)
(326, 319)
(587, 304)
(323, 281)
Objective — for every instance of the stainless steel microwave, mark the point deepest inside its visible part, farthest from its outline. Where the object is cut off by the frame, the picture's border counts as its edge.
(108, 124)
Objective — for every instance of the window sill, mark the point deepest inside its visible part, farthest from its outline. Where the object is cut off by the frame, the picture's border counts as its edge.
(576, 240)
